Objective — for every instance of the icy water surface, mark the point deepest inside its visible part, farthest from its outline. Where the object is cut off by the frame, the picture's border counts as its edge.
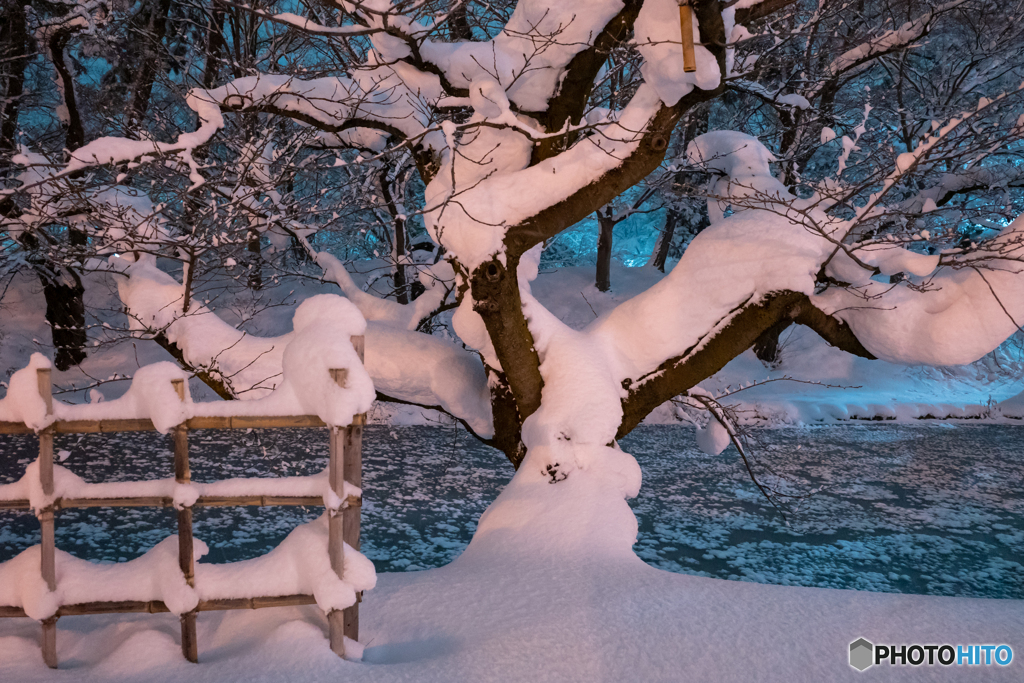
(927, 508)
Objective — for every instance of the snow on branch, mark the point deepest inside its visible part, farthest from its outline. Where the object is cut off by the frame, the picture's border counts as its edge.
(891, 41)
(407, 365)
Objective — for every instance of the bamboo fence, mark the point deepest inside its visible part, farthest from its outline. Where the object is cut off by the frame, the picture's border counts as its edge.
(345, 465)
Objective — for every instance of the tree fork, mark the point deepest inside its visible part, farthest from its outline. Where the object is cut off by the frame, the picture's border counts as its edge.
(580, 74)
(640, 163)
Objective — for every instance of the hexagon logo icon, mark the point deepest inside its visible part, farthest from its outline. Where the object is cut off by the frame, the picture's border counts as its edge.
(861, 654)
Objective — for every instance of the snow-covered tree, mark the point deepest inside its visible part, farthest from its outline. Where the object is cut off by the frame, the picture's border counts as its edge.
(492, 128)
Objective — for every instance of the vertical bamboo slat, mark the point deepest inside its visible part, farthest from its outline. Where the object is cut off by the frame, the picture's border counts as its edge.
(686, 28)
(186, 555)
(353, 474)
(48, 545)
(336, 520)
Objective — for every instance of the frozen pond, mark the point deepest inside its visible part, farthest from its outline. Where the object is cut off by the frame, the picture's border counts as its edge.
(926, 508)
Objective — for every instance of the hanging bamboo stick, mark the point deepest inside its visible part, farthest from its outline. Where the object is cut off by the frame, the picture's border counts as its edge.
(686, 29)
(186, 554)
(47, 545)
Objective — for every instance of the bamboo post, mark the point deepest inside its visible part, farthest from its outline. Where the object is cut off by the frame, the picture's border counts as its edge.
(686, 28)
(353, 474)
(343, 525)
(47, 546)
(336, 520)
(186, 556)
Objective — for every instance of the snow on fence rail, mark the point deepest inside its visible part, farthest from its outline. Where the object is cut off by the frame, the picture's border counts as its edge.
(317, 563)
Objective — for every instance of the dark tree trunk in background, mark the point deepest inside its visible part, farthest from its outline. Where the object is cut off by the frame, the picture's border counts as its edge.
(14, 60)
(401, 286)
(214, 45)
(255, 261)
(153, 37)
(65, 311)
(665, 239)
(458, 23)
(62, 285)
(63, 292)
(400, 238)
(74, 131)
(606, 226)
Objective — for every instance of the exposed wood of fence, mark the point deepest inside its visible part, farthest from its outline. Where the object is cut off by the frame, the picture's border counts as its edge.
(158, 607)
(167, 501)
(345, 465)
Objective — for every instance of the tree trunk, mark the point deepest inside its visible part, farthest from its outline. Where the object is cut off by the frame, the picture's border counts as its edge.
(255, 261)
(606, 226)
(458, 22)
(214, 45)
(74, 132)
(65, 311)
(665, 240)
(401, 286)
(62, 286)
(15, 59)
(154, 37)
(495, 289)
(65, 307)
(400, 239)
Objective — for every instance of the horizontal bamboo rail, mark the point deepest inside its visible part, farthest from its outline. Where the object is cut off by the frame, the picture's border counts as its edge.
(168, 502)
(192, 424)
(158, 606)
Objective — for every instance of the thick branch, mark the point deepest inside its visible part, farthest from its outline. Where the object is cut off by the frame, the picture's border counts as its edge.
(647, 156)
(642, 162)
(679, 374)
(578, 82)
(831, 329)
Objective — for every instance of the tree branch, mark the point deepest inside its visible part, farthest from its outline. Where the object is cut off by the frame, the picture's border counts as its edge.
(679, 374)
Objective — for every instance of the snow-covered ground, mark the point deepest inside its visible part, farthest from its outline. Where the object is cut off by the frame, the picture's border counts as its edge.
(500, 616)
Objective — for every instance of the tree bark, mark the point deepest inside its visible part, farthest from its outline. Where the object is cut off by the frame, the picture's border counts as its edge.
(65, 311)
(766, 348)
(74, 131)
(16, 58)
(747, 323)
(154, 37)
(495, 290)
(399, 238)
(458, 21)
(606, 227)
(665, 240)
